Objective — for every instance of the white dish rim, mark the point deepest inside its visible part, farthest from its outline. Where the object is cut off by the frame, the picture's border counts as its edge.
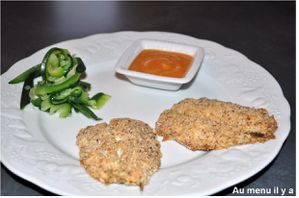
(124, 61)
(215, 190)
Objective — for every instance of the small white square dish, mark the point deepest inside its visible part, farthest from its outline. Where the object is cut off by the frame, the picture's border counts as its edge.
(158, 81)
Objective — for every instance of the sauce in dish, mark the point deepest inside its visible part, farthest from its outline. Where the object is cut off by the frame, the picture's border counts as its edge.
(162, 63)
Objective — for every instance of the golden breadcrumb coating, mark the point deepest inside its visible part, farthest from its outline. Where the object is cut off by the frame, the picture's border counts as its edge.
(207, 124)
(124, 151)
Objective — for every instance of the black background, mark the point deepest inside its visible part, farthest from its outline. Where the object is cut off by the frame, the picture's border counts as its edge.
(263, 31)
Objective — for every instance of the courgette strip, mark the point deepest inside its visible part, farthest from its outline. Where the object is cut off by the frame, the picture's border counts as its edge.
(23, 76)
(101, 99)
(51, 88)
(60, 89)
(81, 67)
(85, 85)
(85, 111)
(63, 96)
(28, 84)
(56, 64)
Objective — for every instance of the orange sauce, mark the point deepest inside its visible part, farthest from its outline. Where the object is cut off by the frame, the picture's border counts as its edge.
(162, 63)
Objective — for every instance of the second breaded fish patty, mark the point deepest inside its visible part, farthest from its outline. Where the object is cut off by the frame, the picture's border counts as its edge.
(206, 124)
(124, 151)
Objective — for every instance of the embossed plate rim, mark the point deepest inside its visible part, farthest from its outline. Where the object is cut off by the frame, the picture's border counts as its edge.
(231, 55)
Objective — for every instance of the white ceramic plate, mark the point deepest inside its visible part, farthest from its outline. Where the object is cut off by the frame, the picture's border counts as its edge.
(41, 148)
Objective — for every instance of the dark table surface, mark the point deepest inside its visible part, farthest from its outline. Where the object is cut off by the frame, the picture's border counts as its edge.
(263, 31)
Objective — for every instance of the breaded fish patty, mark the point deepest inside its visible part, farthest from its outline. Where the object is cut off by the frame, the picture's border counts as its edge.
(124, 151)
(207, 124)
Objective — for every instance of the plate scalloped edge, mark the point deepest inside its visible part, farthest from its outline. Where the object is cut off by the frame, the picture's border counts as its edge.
(38, 161)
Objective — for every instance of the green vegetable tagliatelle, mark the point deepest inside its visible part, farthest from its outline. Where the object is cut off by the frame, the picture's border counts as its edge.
(60, 89)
